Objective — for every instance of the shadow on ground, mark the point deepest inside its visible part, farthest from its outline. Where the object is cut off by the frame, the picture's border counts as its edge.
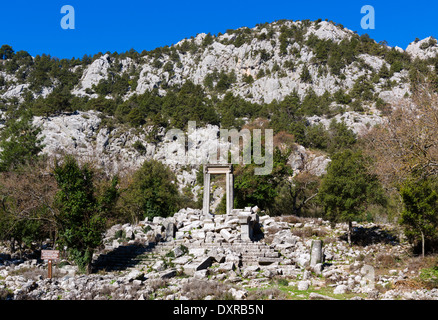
(364, 236)
(122, 257)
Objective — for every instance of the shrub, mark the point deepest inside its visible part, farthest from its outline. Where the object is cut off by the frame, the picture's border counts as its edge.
(19, 141)
(153, 191)
(305, 75)
(385, 260)
(5, 294)
(139, 147)
(82, 212)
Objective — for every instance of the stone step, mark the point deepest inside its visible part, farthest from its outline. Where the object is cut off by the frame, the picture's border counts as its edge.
(122, 257)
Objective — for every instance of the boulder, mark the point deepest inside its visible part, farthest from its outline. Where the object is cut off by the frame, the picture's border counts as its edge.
(227, 266)
(316, 255)
(238, 294)
(303, 285)
(340, 289)
(134, 275)
(191, 267)
(225, 234)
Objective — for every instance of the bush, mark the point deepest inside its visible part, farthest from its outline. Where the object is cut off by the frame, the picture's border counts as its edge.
(82, 212)
(153, 192)
(305, 75)
(6, 294)
(19, 141)
(139, 147)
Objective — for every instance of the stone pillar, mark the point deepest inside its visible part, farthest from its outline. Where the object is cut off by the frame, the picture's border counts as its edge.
(245, 227)
(229, 191)
(316, 252)
(170, 231)
(206, 202)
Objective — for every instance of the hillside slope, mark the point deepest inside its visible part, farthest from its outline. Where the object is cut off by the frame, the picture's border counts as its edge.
(114, 108)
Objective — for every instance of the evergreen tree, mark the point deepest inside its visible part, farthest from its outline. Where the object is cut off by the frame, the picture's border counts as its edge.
(261, 190)
(420, 214)
(347, 188)
(341, 137)
(19, 141)
(6, 52)
(305, 75)
(153, 192)
(81, 219)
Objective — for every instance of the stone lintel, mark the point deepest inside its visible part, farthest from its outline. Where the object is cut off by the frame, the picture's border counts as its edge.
(218, 168)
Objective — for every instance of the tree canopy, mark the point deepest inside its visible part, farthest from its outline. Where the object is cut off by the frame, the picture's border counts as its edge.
(20, 141)
(348, 188)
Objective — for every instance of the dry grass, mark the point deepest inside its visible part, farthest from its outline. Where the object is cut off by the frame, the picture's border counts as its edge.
(34, 273)
(267, 294)
(386, 261)
(292, 219)
(308, 232)
(199, 289)
(156, 284)
(418, 262)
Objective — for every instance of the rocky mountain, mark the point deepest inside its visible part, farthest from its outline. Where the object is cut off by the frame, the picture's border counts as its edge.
(280, 50)
(344, 76)
(312, 82)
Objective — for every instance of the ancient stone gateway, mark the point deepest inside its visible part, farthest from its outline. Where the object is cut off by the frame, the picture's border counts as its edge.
(226, 169)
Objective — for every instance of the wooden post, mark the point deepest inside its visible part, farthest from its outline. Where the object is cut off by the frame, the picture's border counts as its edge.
(49, 255)
(50, 269)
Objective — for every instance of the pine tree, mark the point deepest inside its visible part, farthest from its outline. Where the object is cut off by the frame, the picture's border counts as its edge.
(6, 52)
(347, 188)
(305, 75)
(420, 214)
(82, 212)
(20, 141)
(153, 192)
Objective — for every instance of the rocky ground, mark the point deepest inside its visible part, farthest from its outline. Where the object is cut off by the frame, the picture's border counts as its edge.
(187, 257)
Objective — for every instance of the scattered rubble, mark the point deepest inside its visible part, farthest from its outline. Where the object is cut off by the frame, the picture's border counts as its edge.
(165, 258)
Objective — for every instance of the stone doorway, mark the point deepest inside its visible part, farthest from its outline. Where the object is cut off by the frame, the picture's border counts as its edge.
(226, 169)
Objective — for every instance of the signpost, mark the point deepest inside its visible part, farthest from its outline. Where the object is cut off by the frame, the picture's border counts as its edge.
(50, 255)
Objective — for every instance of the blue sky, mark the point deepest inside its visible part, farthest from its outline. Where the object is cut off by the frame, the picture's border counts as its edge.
(102, 26)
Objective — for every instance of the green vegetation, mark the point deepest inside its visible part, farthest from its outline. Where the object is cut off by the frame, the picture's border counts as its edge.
(260, 190)
(153, 192)
(429, 277)
(81, 217)
(420, 214)
(19, 141)
(348, 188)
(282, 289)
(73, 203)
